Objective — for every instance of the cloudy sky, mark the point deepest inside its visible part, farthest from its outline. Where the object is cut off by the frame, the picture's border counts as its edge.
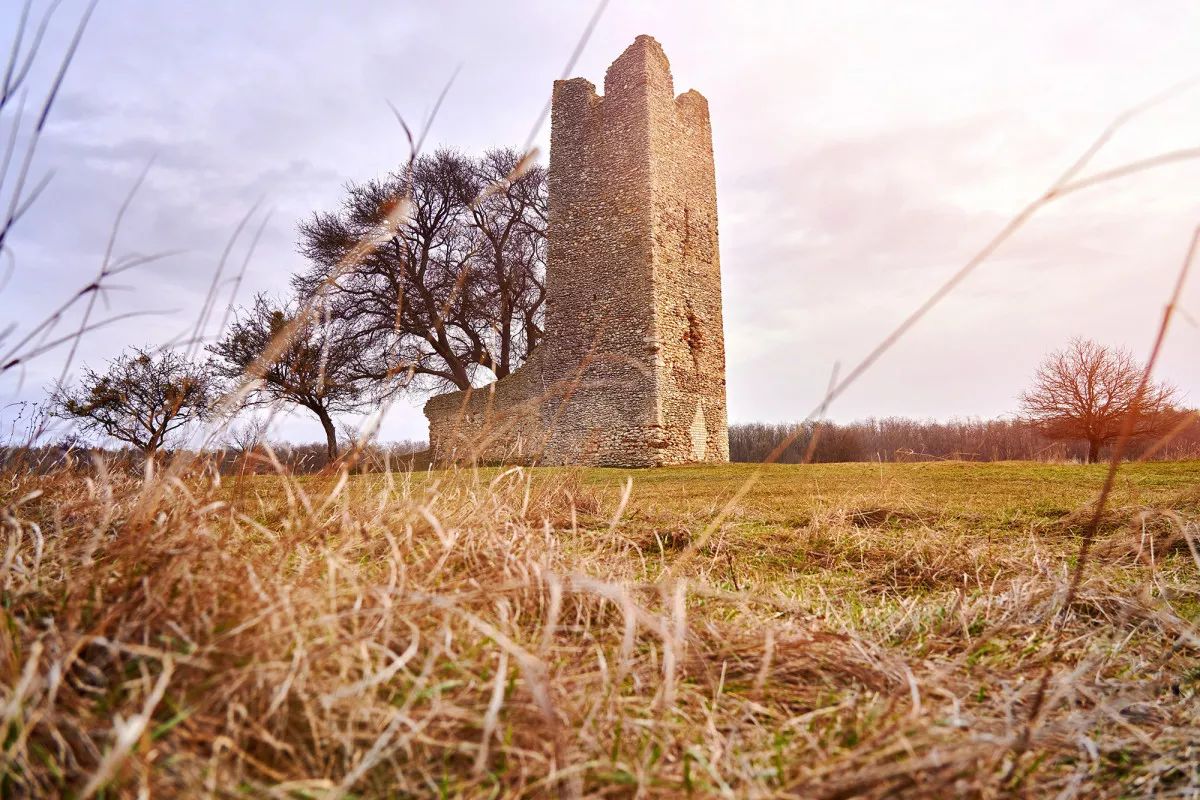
(864, 150)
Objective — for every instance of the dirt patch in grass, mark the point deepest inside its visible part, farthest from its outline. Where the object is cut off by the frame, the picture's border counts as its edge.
(888, 517)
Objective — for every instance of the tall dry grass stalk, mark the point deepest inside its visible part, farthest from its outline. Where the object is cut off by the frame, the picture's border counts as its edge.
(493, 634)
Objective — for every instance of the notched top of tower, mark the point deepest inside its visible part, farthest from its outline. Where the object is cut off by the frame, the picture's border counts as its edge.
(643, 61)
(642, 64)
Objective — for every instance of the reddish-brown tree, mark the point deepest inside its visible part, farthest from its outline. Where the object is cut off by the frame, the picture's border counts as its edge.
(1086, 391)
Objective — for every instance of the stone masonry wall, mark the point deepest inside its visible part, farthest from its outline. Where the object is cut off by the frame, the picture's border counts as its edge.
(687, 280)
(500, 422)
(632, 368)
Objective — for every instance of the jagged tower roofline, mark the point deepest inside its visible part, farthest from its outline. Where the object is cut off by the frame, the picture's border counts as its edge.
(643, 58)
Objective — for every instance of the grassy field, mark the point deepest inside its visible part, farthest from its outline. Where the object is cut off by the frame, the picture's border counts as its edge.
(843, 523)
(818, 631)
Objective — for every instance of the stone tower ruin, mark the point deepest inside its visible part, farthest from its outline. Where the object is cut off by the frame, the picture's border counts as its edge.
(632, 368)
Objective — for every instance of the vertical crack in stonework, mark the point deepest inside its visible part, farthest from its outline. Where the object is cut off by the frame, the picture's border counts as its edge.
(631, 371)
(699, 433)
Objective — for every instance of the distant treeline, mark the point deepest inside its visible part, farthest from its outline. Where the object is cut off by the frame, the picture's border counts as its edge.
(314, 456)
(903, 439)
(886, 439)
(297, 459)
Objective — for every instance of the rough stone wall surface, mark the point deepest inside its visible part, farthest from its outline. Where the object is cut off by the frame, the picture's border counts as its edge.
(498, 422)
(632, 368)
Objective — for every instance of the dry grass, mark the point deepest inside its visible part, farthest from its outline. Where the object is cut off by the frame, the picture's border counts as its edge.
(847, 631)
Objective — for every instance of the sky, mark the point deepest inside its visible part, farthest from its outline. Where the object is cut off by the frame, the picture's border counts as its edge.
(864, 149)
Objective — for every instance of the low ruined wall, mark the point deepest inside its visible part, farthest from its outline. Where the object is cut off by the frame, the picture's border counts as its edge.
(548, 412)
(500, 422)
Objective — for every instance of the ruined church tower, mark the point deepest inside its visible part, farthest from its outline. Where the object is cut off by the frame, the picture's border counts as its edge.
(632, 368)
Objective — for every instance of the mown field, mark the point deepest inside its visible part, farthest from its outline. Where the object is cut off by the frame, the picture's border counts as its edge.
(814, 631)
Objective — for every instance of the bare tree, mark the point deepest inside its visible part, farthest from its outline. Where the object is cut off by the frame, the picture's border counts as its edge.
(320, 369)
(244, 441)
(141, 399)
(509, 215)
(457, 289)
(1087, 391)
(247, 437)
